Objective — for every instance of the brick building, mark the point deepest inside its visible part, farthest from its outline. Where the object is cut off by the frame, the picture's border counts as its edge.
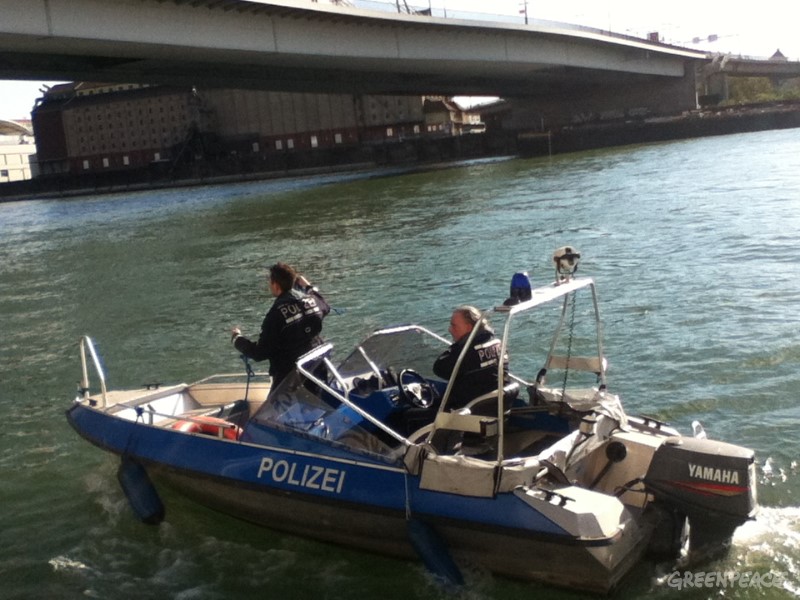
(444, 116)
(89, 127)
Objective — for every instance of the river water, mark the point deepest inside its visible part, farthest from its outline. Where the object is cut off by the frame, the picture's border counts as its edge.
(694, 245)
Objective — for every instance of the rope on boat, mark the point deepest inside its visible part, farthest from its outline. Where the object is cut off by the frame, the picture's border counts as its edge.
(250, 374)
(408, 501)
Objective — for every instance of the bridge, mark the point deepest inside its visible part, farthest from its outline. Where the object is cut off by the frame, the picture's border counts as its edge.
(12, 128)
(738, 66)
(297, 45)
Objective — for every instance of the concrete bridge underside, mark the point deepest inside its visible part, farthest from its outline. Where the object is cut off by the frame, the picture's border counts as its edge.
(304, 46)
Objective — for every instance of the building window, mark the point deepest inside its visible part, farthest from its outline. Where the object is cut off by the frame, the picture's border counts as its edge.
(256, 147)
(86, 165)
(3, 172)
(389, 132)
(278, 145)
(416, 128)
(157, 156)
(125, 160)
(337, 138)
(105, 163)
(314, 141)
(290, 143)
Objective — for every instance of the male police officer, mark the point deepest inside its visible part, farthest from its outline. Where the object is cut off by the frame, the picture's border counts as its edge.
(478, 372)
(291, 327)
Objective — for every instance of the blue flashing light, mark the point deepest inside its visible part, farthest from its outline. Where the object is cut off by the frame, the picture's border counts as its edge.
(520, 289)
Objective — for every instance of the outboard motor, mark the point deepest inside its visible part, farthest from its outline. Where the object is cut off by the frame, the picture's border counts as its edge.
(711, 482)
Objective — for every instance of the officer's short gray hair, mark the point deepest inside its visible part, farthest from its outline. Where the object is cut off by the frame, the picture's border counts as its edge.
(472, 315)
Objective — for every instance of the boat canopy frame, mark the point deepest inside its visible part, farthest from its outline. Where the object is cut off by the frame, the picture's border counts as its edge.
(565, 288)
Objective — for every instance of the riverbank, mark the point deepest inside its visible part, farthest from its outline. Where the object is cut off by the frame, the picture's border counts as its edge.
(57, 189)
(427, 153)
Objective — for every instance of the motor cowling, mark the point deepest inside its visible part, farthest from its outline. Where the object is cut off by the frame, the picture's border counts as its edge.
(713, 483)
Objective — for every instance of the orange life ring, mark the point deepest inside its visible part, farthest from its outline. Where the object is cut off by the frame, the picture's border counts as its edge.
(209, 426)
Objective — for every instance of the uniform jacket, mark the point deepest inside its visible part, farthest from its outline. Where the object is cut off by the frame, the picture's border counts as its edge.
(291, 328)
(478, 372)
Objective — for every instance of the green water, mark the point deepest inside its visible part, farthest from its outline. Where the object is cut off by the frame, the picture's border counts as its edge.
(694, 246)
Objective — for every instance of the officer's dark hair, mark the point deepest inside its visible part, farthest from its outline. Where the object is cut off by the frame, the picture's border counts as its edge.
(283, 275)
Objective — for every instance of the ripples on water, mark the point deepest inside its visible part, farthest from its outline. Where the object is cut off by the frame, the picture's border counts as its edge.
(694, 245)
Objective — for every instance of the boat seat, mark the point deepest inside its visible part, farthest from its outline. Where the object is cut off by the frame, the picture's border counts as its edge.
(510, 393)
(469, 427)
(454, 432)
(466, 423)
(590, 364)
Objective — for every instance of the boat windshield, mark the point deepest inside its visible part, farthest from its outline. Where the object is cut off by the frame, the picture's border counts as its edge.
(394, 349)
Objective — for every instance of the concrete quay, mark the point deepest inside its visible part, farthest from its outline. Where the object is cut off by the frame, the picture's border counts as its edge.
(707, 122)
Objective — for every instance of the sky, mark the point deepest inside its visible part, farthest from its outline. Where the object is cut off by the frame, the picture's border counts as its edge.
(752, 29)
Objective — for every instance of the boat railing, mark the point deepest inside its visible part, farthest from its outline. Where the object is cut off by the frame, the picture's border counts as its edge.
(86, 342)
(220, 377)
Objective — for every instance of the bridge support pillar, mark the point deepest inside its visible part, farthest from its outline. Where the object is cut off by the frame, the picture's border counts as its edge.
(716, 86)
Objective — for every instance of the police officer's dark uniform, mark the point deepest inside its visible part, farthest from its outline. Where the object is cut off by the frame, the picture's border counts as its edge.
(477, 374)
(291, 328)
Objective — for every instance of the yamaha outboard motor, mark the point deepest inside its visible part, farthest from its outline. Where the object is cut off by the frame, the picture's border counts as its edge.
(711, 482)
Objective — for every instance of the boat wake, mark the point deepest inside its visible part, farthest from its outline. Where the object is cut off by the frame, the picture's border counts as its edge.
(770, 544)
(761, 562)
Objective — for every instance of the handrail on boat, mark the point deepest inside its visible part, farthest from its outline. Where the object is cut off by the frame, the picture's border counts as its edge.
(85, 342)
(212, 378)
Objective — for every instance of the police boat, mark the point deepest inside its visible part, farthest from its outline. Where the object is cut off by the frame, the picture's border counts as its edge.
(546, 478)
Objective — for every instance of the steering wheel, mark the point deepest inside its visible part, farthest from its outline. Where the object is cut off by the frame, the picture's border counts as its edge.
(414, 389)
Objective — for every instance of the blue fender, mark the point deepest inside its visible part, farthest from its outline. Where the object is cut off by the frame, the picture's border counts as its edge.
(433, 551)
(140, 492)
